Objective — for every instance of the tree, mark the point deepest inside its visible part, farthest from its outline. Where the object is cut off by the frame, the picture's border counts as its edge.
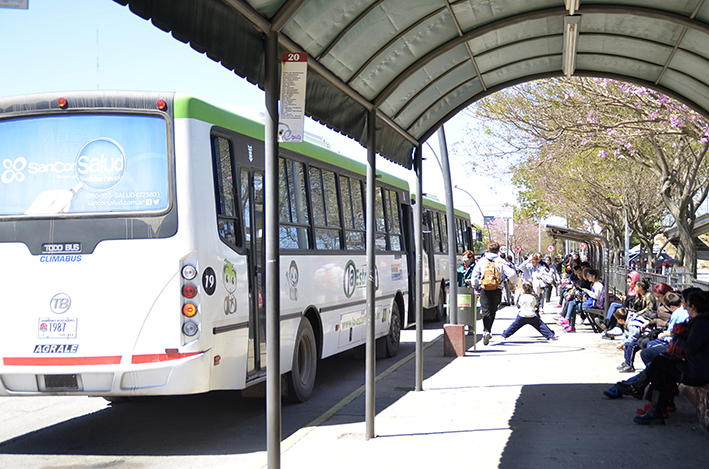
(525, 234)
(611, 123)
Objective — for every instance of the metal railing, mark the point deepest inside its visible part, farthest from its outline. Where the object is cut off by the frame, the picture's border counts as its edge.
(678, 281)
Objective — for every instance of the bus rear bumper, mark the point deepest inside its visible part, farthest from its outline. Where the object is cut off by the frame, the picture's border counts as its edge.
(187, 375)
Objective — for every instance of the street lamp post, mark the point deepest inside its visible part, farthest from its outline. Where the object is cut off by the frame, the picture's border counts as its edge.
(481, 211)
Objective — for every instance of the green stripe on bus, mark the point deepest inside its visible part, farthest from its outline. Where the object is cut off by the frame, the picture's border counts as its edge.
(186, 106)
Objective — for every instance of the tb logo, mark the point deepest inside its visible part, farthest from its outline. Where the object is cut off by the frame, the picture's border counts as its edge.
(60, 303)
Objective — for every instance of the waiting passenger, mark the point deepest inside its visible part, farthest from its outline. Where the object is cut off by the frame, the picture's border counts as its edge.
(632, 325)
(686, 362)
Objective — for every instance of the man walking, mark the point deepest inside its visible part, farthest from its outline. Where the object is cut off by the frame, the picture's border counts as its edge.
(489, 274)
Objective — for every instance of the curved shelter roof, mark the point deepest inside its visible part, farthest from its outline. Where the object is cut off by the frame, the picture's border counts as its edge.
(420, 62)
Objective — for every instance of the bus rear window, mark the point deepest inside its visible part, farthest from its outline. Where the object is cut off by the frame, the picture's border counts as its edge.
(85, 163)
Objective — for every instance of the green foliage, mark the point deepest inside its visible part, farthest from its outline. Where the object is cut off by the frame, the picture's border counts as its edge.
(592, 150)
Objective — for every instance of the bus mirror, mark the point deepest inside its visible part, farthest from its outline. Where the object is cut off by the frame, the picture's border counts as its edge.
(478, 235)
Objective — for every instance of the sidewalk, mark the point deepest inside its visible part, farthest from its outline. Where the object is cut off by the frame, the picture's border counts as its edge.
(521, 403)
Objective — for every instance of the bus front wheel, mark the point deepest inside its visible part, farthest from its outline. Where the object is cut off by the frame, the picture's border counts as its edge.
(301, 379)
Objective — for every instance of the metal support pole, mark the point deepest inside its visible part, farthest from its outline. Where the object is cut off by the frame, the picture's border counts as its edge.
(418, 246)
(273, 321)
(626, 256)
(370, 360)
(540, 235)
(450, 217)
(480, 209)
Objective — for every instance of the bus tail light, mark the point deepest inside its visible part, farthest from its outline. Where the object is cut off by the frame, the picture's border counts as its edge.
(161, 105)
(189, 310)
(189, 290)
(190, 299)
(62, 102)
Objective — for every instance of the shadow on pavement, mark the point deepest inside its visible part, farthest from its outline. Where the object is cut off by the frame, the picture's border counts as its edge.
(562, 426)
(221, 422)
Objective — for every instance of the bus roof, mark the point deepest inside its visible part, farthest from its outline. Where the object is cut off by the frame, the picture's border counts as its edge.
(186, 106)
(431, 203)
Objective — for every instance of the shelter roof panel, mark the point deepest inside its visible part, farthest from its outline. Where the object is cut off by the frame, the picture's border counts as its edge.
(383, 24)
(619, 66)
(318, 23)
(513, 34)
(517, 70)
(418, 62)
(267, 8)
(703, 13)
(450, 101)
(687, 63)
(402, 53)
(472, 15)
(446, 63)
(430, 95)
(511, 53)
(683, 7)
(622, 46)
(696, 42)
(687, 86)
(630, 25)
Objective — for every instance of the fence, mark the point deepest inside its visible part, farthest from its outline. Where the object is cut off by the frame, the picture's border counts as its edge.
(618, 285)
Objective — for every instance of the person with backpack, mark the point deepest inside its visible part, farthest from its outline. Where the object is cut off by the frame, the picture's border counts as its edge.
(489, 274)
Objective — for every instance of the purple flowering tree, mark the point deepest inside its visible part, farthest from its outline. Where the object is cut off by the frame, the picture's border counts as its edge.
(601, 148)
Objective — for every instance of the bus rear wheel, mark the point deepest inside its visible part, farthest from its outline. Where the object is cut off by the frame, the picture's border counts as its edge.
(301, 378)
(389, 344)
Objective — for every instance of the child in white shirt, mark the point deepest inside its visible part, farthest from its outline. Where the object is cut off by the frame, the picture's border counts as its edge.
(527, 304)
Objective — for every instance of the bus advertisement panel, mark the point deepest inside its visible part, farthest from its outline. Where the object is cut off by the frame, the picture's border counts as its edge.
(83, 164)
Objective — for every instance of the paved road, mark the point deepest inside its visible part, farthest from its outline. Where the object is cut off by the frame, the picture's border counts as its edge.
(89, 432)
(523, 403)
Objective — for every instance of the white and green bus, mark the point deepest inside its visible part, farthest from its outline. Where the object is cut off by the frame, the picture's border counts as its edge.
(436, 263)
(132, 241)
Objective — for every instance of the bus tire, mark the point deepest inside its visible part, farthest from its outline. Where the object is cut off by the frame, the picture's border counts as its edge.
(388, 346)
(301, 378)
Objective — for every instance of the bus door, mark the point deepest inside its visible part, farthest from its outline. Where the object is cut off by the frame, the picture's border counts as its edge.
(252, 201)
(429, 262)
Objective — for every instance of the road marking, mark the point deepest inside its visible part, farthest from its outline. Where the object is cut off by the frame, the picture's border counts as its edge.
(289, 442)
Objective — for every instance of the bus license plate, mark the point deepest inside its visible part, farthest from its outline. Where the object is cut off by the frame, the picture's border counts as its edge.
(60, 382)
(57, 328)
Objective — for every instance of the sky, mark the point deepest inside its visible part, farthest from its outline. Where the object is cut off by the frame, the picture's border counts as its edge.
(67, 45)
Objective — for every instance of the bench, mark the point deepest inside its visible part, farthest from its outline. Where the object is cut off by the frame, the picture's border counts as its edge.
(592, 314)
(698, 396)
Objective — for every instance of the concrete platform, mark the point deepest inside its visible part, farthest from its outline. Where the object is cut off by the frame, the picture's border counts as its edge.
(522, 403)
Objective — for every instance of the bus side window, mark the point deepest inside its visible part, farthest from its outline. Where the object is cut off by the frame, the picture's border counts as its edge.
(392, 205)
(436, 232)
(444, 233)
(352, 213)
(460, 235)
(381, 231)
(326, 213)
(227, 220)
(294, 231)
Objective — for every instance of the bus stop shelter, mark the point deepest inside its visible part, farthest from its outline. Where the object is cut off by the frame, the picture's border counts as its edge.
(390, 73)
(596, 247)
